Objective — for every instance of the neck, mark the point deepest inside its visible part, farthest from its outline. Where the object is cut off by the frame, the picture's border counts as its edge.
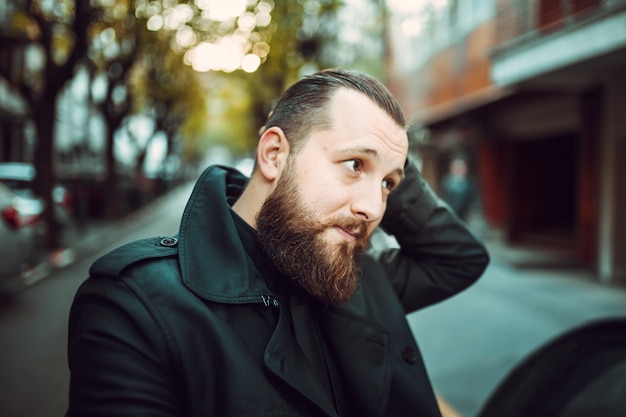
(249, 203)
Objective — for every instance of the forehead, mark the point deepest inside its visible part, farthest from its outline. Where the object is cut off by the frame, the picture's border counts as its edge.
(356, 118)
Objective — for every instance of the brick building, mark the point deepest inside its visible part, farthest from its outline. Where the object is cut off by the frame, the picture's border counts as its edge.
(532, 93)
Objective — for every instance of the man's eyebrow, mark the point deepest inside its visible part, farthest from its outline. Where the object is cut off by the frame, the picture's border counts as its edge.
(356, 150)
(360, 150)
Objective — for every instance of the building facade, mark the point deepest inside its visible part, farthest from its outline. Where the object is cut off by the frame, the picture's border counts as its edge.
(532, 94)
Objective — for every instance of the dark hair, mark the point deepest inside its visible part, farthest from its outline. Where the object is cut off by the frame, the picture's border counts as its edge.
(303, 107)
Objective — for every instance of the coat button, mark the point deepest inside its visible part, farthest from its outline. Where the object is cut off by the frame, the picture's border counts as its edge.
(169, 242)
(409, 355)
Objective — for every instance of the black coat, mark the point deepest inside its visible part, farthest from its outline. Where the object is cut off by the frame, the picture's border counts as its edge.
(165, 326)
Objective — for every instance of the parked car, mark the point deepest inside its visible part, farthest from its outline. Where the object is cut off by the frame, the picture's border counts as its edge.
(19, 177)
(21, 232)
(22, 226)
(577, 374)
(580, 372)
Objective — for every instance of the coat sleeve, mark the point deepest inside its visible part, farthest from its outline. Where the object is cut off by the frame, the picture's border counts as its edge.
(117, 356)
(438, 255)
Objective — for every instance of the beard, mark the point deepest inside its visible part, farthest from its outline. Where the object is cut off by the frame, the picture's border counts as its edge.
(292, 239)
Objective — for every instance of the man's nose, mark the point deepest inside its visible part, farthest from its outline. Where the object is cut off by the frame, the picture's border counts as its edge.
(368, 202)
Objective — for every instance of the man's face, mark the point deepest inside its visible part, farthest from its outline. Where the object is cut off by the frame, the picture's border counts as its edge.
(332, 195)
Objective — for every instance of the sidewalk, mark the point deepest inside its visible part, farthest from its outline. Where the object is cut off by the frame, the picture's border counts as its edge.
(532, 260)
(529, 256)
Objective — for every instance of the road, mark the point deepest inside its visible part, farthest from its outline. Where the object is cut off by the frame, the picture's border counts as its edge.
(469, 342)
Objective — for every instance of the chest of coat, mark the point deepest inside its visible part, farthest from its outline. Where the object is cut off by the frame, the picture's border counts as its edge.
(244, 360)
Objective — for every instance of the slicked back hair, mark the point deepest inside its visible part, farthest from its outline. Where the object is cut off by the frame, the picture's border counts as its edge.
(305, 106)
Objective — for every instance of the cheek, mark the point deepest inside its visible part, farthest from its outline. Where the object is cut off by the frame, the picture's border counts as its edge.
(321, 190)
(327, 199)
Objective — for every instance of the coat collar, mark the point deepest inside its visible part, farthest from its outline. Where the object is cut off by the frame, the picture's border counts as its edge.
(213, 260)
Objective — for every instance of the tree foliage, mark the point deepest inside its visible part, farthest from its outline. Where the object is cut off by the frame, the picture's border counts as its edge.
(60, 31)
(206, 71)
(297, 35)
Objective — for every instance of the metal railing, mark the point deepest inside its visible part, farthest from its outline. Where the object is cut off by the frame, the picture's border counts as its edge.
(519, 21)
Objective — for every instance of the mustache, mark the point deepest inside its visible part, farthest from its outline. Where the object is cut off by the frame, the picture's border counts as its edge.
(358, 228)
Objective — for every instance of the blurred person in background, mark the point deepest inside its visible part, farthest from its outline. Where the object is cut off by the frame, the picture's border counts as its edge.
(266, 303)
(458, 189)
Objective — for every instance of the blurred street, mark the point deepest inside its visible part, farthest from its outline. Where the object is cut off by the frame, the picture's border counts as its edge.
(469, 342)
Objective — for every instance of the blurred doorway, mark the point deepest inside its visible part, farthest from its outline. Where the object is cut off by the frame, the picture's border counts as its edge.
(543, 193)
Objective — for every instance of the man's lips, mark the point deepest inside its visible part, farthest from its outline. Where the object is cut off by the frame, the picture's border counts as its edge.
(350, 234)
(347, 234)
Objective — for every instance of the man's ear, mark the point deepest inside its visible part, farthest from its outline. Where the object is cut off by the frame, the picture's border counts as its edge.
(272, 152)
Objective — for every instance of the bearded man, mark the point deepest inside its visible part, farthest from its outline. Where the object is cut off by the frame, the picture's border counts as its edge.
(267, 302)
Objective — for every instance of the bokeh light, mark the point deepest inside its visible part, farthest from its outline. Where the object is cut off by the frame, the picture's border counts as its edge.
(214, 35)
(250, 63)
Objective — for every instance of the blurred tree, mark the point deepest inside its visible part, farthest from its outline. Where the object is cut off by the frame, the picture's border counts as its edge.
(172, 92)
(227, 41)
(361, 39)
(303, 36)
(296, 38)
(328, 33)
(240, 53)
(313, 24)
(143, 75)
(60, 32)
(111, 56)
(214, 37)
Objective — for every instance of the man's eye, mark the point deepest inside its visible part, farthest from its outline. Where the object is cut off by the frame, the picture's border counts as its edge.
(389, 184)
(354, 165)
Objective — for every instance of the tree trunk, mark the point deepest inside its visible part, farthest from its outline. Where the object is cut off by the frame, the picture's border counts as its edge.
(45, 178)
(113, 206)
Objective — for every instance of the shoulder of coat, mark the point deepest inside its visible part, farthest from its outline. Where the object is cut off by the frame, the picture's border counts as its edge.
(113, 263)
